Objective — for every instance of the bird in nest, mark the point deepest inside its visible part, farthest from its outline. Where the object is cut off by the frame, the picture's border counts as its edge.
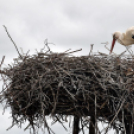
(125, 39)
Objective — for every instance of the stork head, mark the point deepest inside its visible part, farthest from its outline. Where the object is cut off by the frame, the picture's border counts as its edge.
(116, 36)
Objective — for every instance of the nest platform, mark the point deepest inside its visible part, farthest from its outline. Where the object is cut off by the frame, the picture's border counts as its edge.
(93, 87)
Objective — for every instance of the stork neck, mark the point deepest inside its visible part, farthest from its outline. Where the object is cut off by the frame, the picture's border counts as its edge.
(121, 38)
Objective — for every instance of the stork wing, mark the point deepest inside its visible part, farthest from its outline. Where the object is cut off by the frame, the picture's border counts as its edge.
(130, 32)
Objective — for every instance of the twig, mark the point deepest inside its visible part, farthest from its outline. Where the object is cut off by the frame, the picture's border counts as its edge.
(107, 47)
(91, 49)
(123, 121)
(75, 51)
(95, 114)
(12, 41)
(115, 115)
(67, 50)
(3, 58)
(122, 53)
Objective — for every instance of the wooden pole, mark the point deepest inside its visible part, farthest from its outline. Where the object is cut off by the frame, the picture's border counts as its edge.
(92, 125)
(76, 125)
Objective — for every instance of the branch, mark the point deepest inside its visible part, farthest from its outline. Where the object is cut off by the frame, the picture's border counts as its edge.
(12, 41)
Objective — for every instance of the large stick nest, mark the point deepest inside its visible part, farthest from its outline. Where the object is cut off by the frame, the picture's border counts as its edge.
(61, 85)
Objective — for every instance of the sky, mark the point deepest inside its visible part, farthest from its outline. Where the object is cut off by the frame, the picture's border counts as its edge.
(65, 23)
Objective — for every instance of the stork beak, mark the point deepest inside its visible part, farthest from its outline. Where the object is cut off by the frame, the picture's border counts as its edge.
(112, 45)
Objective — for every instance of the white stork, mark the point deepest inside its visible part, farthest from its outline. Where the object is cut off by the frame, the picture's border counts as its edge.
(125, 39)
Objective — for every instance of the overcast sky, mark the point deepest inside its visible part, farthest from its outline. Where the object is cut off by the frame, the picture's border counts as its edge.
(66, 23)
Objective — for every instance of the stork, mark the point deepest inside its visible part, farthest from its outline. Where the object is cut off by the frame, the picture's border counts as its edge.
(125, 39)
